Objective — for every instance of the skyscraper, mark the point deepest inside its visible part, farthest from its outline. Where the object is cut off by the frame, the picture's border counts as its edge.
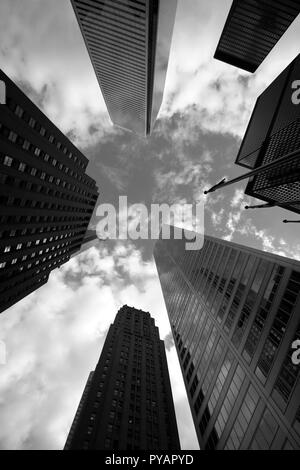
(271, 145)
(274, 132)
(129, 43)
(90, 239)
(46, 198)
(234, 313)
(252, 29)
(127, 403)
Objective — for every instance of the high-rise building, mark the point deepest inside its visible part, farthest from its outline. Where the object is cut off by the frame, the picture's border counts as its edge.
(234, 313)
(46, 197)
(127, 403)
(129, 44)
(252, 29)
(274, 132)
(90, 239)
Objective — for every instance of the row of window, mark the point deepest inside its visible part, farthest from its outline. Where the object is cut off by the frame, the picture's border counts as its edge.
(22, 167)
(36, 151)
(34, 124)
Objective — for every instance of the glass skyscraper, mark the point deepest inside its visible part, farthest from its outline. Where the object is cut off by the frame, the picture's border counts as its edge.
(252, 29)
(273, 132)
(127, 403)
(129, 43)
(234, 314)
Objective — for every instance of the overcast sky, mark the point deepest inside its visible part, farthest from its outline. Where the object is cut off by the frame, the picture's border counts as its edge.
(54, 336)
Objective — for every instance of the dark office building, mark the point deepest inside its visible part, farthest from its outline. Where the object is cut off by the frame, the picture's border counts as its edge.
(252, 29)
(129, 43)
(274, 132)
(127, 403)
(46, 198)
(234, 313)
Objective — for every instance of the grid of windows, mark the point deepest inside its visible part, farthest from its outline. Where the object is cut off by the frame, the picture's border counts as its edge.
(263, 313)
(288, 375)
(49, 196)
(258, 295)
(220, 381)
(130, 383)
(230, 400)
(265, 432)
(279, 326)
(243, 419)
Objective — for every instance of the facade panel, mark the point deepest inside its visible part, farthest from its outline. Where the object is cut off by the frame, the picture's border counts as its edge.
(252, 29)
(274, 132)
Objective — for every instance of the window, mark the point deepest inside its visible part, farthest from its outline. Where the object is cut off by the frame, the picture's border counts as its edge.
(2, 265)
(278, 327)
(230, 400)
(14, 261)
(22, 167)
(32, 122)
(33, 171)
(12, 136)
(37, 151)
(6, 249)
(19, 111)
(8, 160)
(265, 432)
(26, 144)
(243, 419)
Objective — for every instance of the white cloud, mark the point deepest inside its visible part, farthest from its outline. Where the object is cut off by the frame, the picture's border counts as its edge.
(54, 338)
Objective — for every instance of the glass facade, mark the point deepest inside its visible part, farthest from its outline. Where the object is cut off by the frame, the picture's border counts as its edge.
(252, 29)
(273, 132)
(234, 315)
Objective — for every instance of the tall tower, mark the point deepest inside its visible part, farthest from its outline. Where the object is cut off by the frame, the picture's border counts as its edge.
(273, 133)
(234, 313)
(129, 43)
(46, 197)
(127, 403)
(252, 29)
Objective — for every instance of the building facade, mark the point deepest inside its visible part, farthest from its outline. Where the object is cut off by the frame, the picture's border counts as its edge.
(127, 403)
(46, 197)
(252, 29)
(234, 313)
(274, 132)
(129, 43)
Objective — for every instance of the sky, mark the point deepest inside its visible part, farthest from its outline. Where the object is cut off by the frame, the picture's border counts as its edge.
(54, 336)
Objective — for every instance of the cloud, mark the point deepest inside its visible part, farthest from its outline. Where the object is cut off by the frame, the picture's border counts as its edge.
(237, 198)
(169, 341)
(55, 335)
